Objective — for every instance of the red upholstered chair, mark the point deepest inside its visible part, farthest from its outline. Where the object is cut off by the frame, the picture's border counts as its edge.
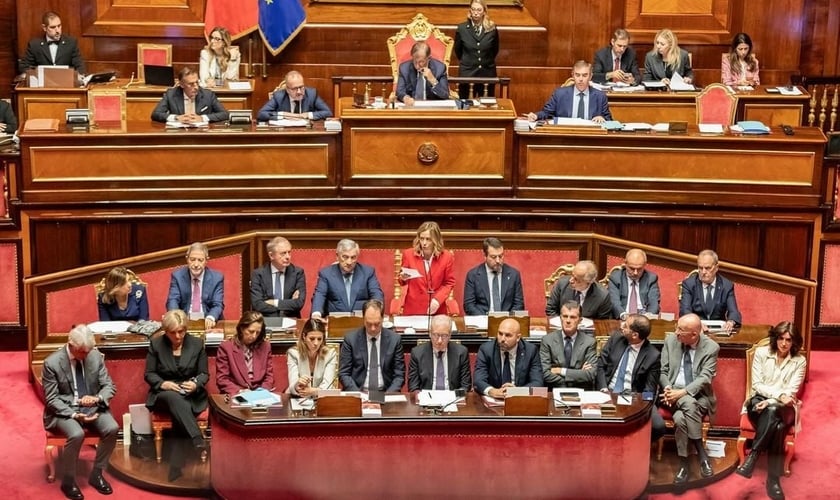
(419, 29)
(162, 421)
(716, 104)
(397, 303)
(747, 431)
(55, 441)
(156, 54)
(668, 417)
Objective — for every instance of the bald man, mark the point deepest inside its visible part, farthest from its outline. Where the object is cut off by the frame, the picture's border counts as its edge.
(635, 282)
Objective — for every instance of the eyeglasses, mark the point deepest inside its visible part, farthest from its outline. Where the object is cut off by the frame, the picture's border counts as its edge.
(296, 89)
(440, 336)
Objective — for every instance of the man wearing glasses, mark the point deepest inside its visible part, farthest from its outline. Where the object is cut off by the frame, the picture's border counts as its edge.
(439, 364)
(298, 101)
(581, 287)
(188, 104)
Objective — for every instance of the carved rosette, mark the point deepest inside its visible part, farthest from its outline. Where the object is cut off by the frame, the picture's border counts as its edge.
(428, 153)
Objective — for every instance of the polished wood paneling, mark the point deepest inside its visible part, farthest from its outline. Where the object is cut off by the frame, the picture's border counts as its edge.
(108, 240)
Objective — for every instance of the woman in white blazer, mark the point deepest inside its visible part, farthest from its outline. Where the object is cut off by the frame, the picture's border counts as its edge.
(312, 364)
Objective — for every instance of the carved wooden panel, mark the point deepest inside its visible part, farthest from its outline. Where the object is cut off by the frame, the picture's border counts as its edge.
(694, 21)
(154, 18)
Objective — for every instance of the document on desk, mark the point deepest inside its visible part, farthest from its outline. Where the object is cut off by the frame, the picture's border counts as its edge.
(243, 85)
(176, 124)
(678, 83)
(419, 322)
(789, 90)
(478, 322)
(289, 122)
(300, 404)
(633, 126)
(710, 128)
(444, 104)
(628, 88)
(574, 122)
(257, 397)
(439, 399)
(109, 326)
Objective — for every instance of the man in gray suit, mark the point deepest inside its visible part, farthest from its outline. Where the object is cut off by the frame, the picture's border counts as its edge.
(582, 287)
(633, 289)
(439, 364)
(77, 392)
(568, 356)
(688, 365)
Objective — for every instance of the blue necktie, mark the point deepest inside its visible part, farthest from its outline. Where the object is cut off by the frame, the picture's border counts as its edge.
(278, 285)
(581, 111)
(687, 370)
(506, 369)
(567, 352)
(81, 384)
(347, 284)
(440, 373)
(622, 372)
(373, 375)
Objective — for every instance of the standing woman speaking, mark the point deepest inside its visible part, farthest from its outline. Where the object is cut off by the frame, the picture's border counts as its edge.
(476, 47)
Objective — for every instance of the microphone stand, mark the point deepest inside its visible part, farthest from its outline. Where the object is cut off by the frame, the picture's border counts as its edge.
(431, 294)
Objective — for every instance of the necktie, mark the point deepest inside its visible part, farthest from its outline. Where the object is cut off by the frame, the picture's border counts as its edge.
(52, 42)
(373, 376)
(621, 372)
(497, 293)
(567, 352)
(196, 297)
(81, 384)
(581, 111)
(577, 297)
(478, 30)
(278, 285)
(420, 90)
(347, 284)
(440, 373)
(616, 67)
(687, 373)
(710, 290)
(632, 306)
(295, 107)
(506, 378)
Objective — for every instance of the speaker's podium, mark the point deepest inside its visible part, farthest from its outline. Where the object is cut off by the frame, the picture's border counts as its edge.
(52, 77)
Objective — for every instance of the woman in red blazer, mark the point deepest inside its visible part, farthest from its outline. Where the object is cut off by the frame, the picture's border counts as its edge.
(244, 362)
(428, 292)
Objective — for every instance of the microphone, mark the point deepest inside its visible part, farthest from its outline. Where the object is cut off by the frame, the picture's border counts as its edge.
(431, 294)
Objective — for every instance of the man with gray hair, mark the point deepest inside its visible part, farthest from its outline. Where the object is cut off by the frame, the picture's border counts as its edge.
(710, 295)
(278, 288)
(196, 289)
(581, 286)
(77, 392)
(439, 364)
(294, 102)
(346, 285)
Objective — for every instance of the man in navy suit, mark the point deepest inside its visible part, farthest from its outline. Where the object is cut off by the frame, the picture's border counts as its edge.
(493, 373)
(298, 101)
(278, 289)
(197, 277)
(709, 295)
(617, 63)
(439, 364)
(493, 274)
(429, 71)
(54, 49)
(634, 282)
(346, 285)
(577, 101)
(188, 103)
(357, 355)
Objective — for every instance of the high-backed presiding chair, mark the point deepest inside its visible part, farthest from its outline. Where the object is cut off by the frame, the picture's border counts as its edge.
(156, 54)
(716, 104)
(419, 29)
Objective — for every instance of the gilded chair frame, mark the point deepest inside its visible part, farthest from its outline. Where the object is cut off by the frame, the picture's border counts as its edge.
(141, 52)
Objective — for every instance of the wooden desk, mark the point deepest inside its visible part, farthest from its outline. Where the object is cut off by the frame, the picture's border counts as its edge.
(474, 453)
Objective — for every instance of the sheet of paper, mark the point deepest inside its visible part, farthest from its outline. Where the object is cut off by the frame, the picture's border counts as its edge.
(301, 404)
(438, 399)
(574, 122)
(445, 104)
(109, 326)
(419, 322)
(289, 122)
(716, 449)
(569, 396)
(395, 398)
(637, 126)
(410, 273)
(479, 322)
(710, 128)
(243, 85)
(661, 127)
(628, 88)
(789, 90)
(678, 83)
(594, 398)
(177, 124)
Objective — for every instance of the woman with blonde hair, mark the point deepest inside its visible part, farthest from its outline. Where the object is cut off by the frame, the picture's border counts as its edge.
(122, 300)
(312, 364)
(219, 61)
(667, 58)
(476, 47)
(426, 293)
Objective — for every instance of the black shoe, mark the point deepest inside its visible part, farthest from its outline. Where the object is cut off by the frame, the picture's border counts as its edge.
(746, 468)
(706, 468)
(774, 489)
(682, 475)
(174, 474)
(99, 483)
(71, 490)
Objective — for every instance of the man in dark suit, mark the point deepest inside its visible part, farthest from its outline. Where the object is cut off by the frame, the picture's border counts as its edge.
(493, 274)
(185, 281)
(493, 373)
(346, 285)
(439, 364)
(429, 72)
(688, 364)
(188, 103)
(298, 101)
(368, 348)
(581, 287)
(53, 49)
(633, 289)
(709, 295)
(567, 356)
(576, 101)
(278, 289)
(77, 392)
(617, 62)
(8, 120)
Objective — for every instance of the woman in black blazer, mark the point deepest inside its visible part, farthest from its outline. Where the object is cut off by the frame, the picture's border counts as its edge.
(476, 47)
(176, 371)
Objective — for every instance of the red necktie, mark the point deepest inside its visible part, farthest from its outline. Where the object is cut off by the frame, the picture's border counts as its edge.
(616, 67)
(196, 297)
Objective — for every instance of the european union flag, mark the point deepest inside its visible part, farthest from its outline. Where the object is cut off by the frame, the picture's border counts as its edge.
(280, 21)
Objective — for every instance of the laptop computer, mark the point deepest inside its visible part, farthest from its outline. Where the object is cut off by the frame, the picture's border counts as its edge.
(158, 75)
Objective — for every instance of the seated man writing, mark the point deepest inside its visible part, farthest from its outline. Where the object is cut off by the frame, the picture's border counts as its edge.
(423, 78)
(576, 101)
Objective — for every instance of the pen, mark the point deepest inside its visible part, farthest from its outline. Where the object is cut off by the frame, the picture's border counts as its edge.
(202, 109)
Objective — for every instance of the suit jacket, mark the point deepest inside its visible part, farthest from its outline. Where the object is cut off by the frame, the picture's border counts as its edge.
(477, 291)
(326, 368)
(311, 103)
(488, 366)
(440, 279)
(353, 360)
(645, 371)
(619, 290)
(603, 64)
(421, 371)
(723, 306)
(655, 69)
(206, 103)
(262, 289)
(552, 355)
(192, 364)
(136, 309)
(597, 304)
(57, 379)
(476, 53)
(407, 81)
(7, 116)
(704, 367)
(560, 104)
(212, 292)
(330, 295)
(38, 54)
(232, 372)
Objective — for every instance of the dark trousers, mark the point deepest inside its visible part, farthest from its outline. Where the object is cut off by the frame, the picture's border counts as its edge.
(104, 425)
(185, 431)
(771, 428)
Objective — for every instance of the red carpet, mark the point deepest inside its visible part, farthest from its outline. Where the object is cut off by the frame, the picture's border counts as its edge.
(816, 468)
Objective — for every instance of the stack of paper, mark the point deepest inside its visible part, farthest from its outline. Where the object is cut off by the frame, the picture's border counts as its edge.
(289, 122)
(523, 125)
(710, 128)
(678, 83)
(332, 125)
(632, 127)
(574, 122)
